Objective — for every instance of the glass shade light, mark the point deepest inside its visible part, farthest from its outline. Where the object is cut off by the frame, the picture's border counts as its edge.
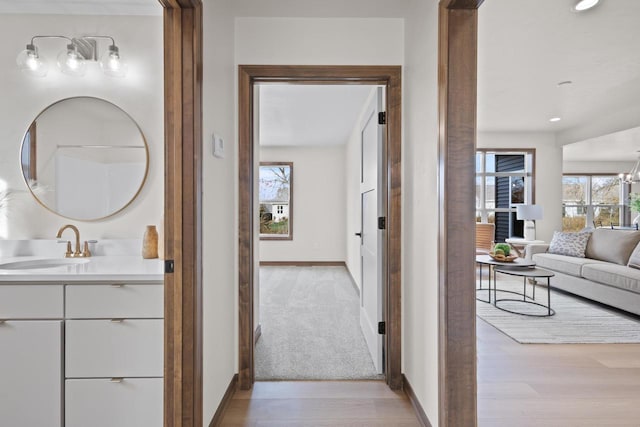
(633, 176)
(31, 63)
(112, 64)
(71, 62)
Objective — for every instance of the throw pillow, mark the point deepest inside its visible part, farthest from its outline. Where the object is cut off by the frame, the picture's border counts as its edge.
(570, 244)
(612, 245)
(634, 260)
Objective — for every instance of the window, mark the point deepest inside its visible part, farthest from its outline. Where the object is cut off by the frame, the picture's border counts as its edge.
(593, 200)
(504, 179)
(276, 200)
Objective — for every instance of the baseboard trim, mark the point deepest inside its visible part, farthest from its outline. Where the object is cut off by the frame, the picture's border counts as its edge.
(417, 407)
(257, 334)
(353, 281)
(302, 264)
(224, 403)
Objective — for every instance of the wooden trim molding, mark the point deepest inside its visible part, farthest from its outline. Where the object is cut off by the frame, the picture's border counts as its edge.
(390, 76)
(183, 212)
(224, 403)
(457, 68)
(417, 407)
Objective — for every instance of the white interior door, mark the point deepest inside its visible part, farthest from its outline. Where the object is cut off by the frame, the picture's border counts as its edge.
(371, 248)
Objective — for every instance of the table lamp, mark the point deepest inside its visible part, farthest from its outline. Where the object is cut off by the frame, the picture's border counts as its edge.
(529, 213)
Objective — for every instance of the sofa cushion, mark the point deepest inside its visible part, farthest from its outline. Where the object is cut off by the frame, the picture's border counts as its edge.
(634, 259)
(618, 276)
(571, 244)
(564, 264)
(612, 245)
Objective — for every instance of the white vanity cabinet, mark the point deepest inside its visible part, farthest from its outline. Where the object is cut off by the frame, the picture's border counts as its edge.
(114, 355)
(31, 355)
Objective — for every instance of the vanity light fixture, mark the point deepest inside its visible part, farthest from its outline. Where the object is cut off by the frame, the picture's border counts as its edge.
(583, 5)
(73, 59)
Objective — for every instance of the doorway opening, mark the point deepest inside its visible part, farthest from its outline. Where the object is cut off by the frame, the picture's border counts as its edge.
(387, 77)
(319, 289)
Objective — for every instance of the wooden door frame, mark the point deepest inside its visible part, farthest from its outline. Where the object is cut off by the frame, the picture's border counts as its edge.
(248, 76)
(457, 87)
(183, 212)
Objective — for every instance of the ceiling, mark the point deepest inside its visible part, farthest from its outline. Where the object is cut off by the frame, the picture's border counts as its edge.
(309, 115)
(527, 47)
(83, 7)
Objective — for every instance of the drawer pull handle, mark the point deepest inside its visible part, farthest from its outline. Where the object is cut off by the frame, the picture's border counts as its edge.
(116, 380)
(117, 285)
(117, 320)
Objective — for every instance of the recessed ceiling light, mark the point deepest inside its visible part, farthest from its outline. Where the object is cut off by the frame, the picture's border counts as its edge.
(583, 5)
(554, 119)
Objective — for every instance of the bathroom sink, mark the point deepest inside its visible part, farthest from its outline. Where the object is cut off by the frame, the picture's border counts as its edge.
(33, 264)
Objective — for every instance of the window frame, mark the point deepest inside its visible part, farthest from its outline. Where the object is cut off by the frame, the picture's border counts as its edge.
(274, 236)
(624, 214)
(529, 175)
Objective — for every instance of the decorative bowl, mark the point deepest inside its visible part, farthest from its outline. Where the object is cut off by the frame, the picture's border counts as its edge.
(503, 258)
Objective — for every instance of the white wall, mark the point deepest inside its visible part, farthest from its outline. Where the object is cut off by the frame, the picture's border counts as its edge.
(420, 205)
(140, 94)
(318, 205)
(220, 266)
(548, 173)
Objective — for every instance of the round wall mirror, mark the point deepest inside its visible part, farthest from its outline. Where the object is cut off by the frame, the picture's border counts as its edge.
(84, 158)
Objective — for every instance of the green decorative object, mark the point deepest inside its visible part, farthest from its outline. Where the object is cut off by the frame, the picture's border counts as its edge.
(503, 247)
(634, 202)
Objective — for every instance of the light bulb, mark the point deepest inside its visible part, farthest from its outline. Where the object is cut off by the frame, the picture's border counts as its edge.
(31, 63)
(112, 64)
(71, 62)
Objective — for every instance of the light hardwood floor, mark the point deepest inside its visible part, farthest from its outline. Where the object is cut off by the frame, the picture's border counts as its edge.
(320, 403)
(551, 385)
(563, 385)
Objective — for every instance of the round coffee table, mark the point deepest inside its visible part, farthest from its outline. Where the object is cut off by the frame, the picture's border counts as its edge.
(526, 273)
(516, 264)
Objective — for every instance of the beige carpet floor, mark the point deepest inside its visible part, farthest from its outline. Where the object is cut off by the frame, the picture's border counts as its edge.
(310, 325)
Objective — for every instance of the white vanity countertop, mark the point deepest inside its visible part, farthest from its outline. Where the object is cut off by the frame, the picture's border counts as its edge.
(99, 268)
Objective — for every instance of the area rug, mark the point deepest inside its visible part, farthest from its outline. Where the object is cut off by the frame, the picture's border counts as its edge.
(576, 320)
(310, 322)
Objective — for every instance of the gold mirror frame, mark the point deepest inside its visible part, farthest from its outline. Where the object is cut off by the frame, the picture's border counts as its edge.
(33, 125)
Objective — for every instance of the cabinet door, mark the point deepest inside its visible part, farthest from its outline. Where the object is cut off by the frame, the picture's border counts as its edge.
(31, 373)
(31, 301)
(119, 300)
(119, 348)
(127, 402)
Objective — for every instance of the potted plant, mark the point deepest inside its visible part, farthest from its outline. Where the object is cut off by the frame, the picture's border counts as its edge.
(634, 205)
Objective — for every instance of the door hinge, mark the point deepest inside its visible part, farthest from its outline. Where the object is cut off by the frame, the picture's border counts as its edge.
(169, 266)
(382, 118)
(382, 223)
(382, 328)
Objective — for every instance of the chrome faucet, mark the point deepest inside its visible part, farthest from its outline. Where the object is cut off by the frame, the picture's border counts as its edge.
(76, 254)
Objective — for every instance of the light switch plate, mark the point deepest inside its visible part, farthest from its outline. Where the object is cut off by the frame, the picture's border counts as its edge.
(218, 146)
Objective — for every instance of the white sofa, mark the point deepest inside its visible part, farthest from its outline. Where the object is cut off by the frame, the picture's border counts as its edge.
(604, 275)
